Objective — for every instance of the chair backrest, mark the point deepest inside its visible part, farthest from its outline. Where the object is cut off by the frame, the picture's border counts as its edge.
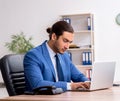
(13, 73)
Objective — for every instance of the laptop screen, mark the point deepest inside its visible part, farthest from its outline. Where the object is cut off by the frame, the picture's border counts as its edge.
(102, 75)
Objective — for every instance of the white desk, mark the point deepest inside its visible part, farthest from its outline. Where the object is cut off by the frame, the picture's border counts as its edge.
(112, 94)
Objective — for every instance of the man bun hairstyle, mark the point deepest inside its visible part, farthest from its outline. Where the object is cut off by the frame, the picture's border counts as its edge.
(48, 30)
(59, 27)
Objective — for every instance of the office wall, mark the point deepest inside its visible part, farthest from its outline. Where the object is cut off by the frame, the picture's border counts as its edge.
(34, 16)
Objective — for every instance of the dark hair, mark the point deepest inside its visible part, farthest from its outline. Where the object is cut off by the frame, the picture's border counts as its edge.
(59, 27)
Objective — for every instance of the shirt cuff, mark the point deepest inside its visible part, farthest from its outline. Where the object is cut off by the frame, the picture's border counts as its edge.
(87, 81)
(68, 86)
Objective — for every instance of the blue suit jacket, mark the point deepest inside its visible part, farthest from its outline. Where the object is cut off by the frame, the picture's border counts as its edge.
(39, 70)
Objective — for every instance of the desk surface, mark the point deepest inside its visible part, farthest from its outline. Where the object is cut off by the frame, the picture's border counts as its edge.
(111, 94)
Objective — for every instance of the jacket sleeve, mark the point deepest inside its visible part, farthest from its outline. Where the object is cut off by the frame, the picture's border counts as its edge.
(76, 74)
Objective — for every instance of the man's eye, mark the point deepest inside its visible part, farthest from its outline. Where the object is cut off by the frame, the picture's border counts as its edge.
(65, 40)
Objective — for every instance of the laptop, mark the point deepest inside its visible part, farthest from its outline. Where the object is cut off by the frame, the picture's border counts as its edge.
(102, 76)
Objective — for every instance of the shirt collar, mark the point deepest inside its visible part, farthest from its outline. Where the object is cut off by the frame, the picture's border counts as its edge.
(51, 52)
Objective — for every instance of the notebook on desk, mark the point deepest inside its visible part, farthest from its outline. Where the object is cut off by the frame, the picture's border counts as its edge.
(102, 76)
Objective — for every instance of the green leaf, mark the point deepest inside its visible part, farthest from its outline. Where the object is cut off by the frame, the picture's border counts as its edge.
(19, 43)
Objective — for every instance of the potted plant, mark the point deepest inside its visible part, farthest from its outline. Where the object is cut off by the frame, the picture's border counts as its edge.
(19, 44)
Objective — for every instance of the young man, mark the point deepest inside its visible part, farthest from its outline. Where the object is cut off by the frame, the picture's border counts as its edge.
(40, 62)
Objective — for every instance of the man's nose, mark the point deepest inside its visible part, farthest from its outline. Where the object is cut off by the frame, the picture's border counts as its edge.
(67, 45)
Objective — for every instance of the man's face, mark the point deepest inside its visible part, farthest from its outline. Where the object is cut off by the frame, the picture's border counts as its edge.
(62, 43)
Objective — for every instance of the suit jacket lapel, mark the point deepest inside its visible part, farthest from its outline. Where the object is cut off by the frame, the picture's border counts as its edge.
(47, 58)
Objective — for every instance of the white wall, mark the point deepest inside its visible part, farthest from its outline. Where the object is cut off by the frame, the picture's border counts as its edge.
(34, 16)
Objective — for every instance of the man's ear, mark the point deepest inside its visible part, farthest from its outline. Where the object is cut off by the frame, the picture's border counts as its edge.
(54, 37)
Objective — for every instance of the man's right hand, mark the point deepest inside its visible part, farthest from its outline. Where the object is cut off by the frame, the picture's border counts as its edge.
(84, 85)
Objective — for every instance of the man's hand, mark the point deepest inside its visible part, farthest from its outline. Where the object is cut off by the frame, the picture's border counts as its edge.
(84, 85)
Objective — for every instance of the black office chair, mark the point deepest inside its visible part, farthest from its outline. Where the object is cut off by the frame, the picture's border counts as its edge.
(13, 73)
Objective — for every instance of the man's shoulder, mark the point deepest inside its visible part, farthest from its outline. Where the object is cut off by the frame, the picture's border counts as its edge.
(35, 49)
(66, 55)
(38, 49)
